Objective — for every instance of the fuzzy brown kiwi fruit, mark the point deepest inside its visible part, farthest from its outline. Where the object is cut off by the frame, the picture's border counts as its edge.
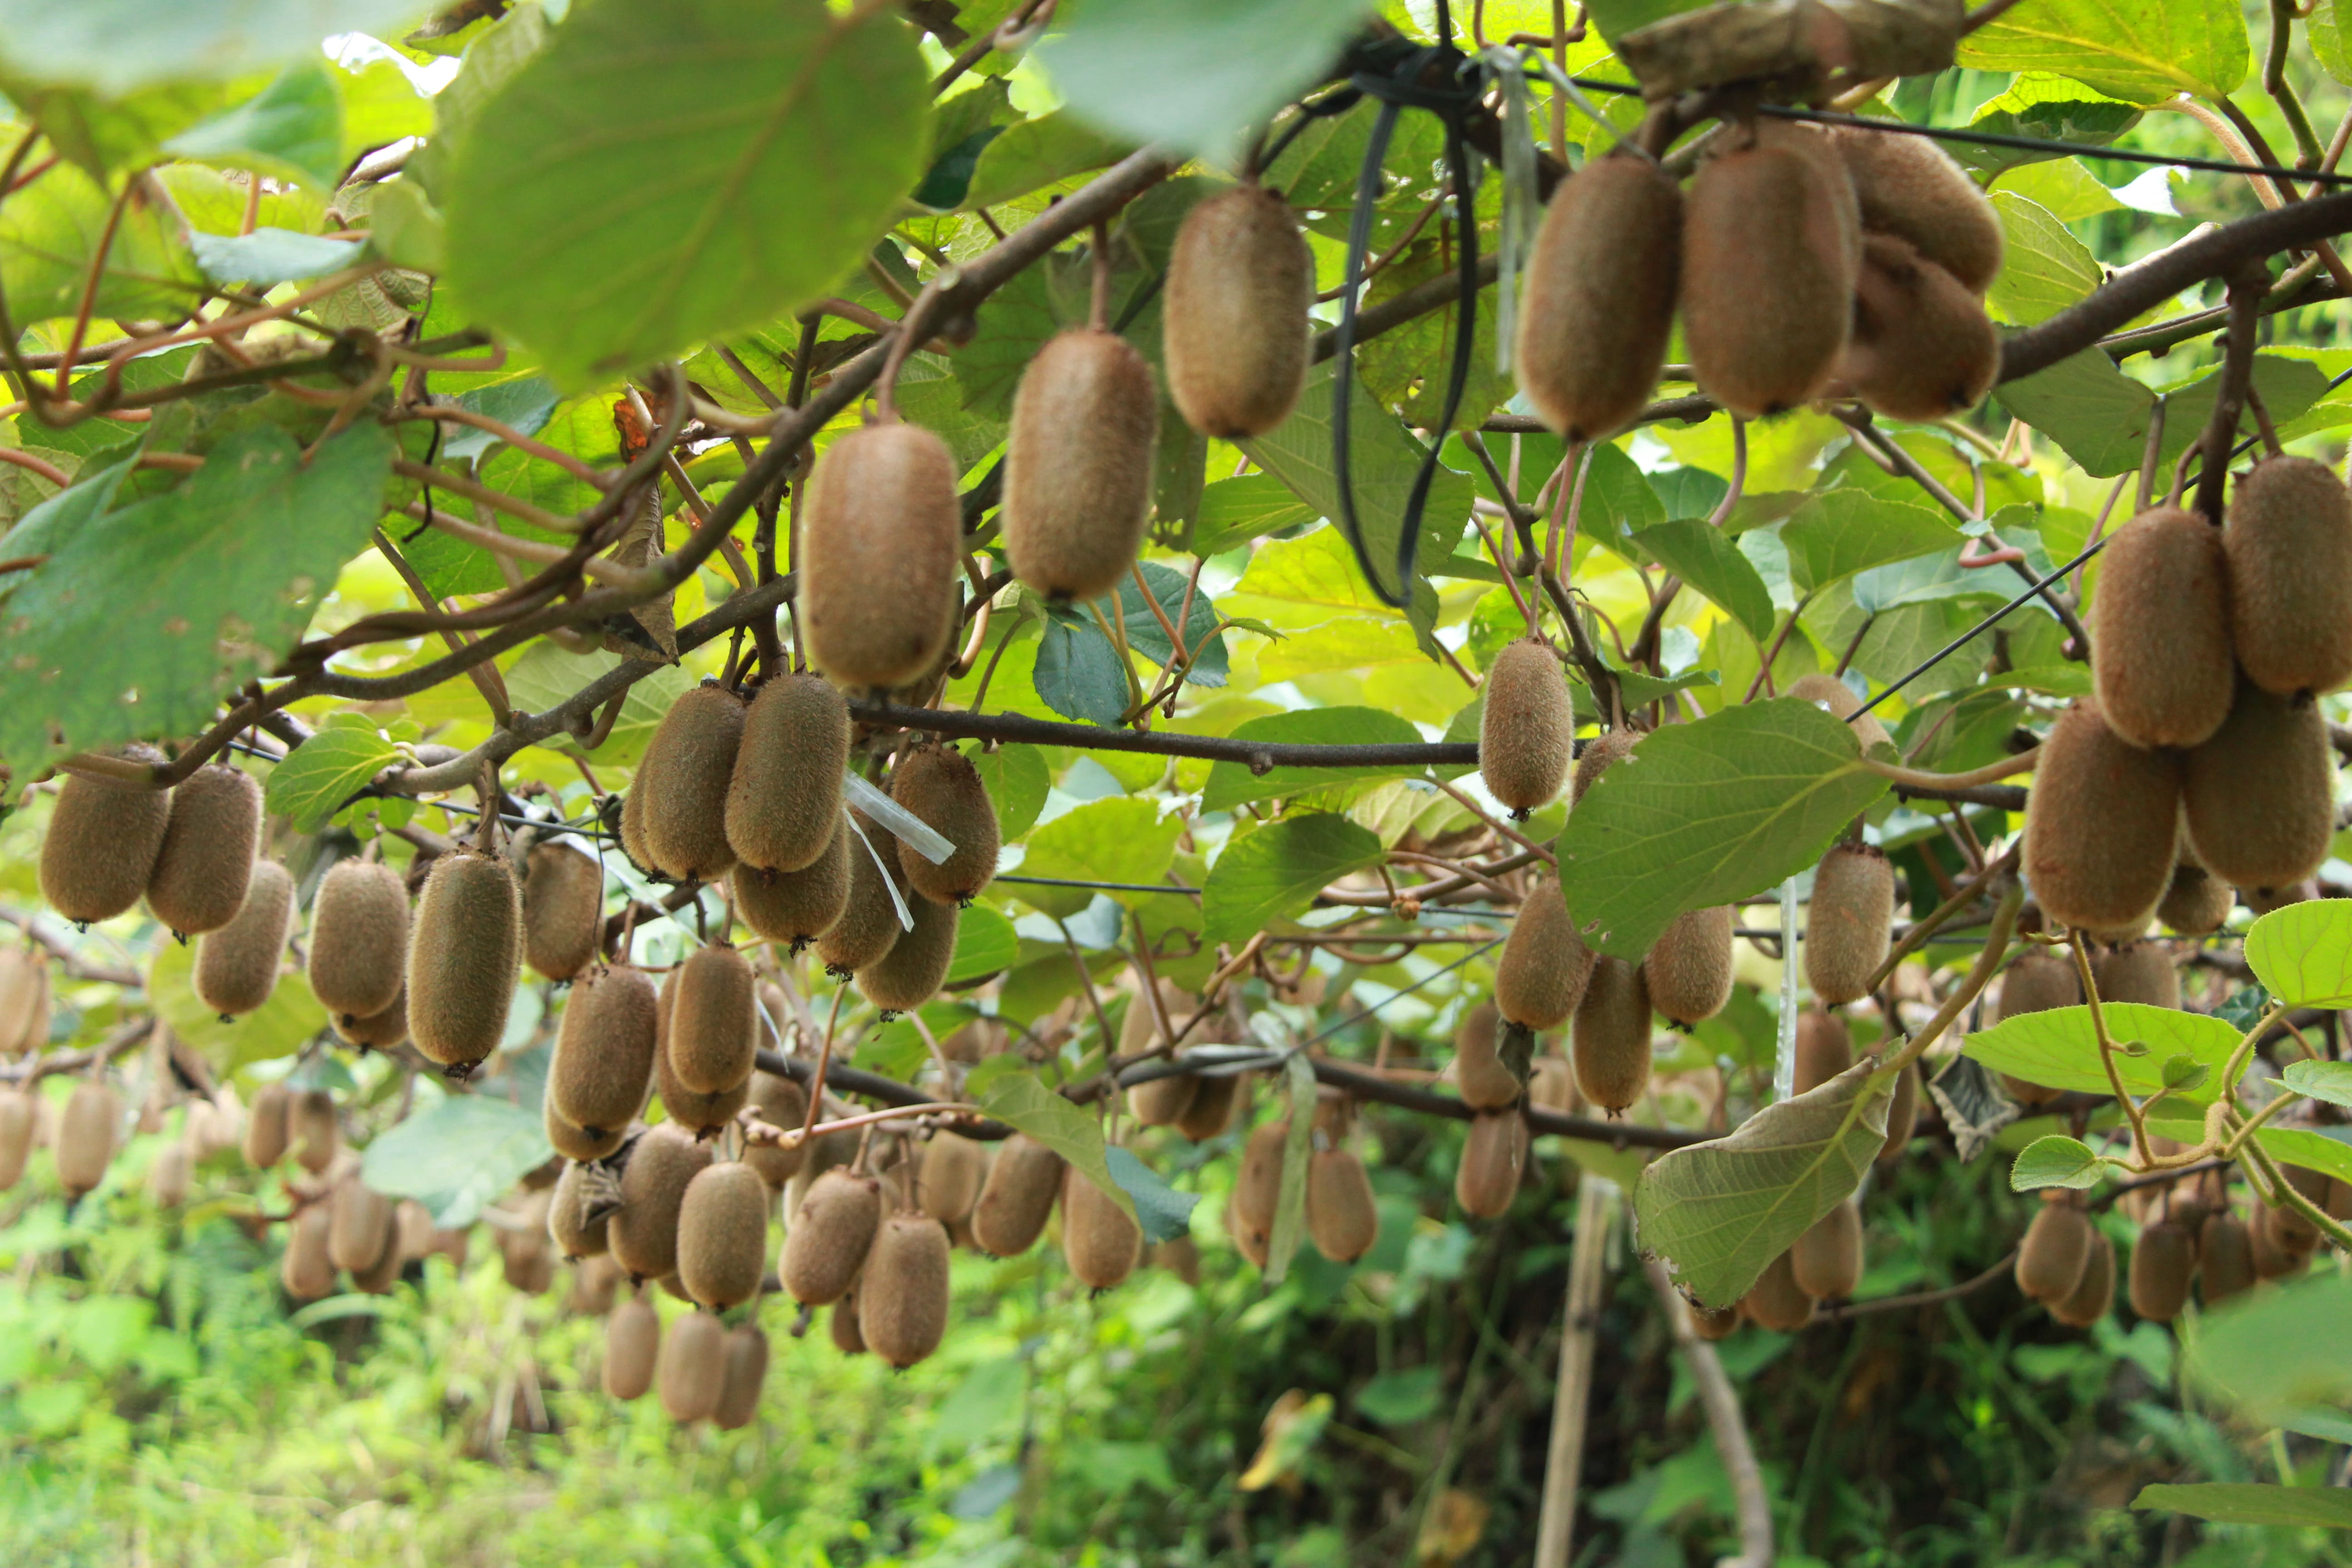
(2274, 1258)
(1716, 1324)
(723, 1234)
(1771, 245)
(359, 939)
(266, 1135)
(1101, 1242)
(632, 831)
(949, 1182)
(2100, 824)
(568, 1225)
(1479, 1072)
(1851, 922)
(745, 1375)
(1600, 296)
(2057, 1243)
(1257, 1189)
(693, 1368)
(312, 1131)
(2037, 982)
(1688, 969)
(782, 1102)
(1826, 1260)
(236, 965)
(563, 910)
(463, 957)
(798, 907)
(1611, 1038)
(1922, 347)
(378, 1031)
(1828, 691)
(1018, 1196)
(604, 1064)
(880, 537)
(868, 926)
(1235, 320)
(104, 836)
(831, 1234)
(575, 1142)
(697, 1113)
(903, 1297)
(304, 1268)
(784, 796)
(2163, 1263)
(631, 1347)
(1545, 966)
(2289, 544)
(2138, 972)
(643, 1232)
(1181, 1256)
(2160, 630)
(1526, 727)
(378, 1277)
(940, 785)
(23, 1001)
(1902, 1114)
(912, 971)
(1160, 1101)
(1212, 1108)
(170, 1175)
(1907, 185)
(2093, 1295)
(2198, 903)
(359, 1224)
(89, 1132)
(843, 1326)
(20, 1120)
(713, 1033)
(1078, 464)
(199, 880)
(1552, 1084)
(2259, 798)
(1824, 1048)
(687, 768)
(1493, 1156)
(2225, 1258)
(2287, 1225)
(1342, 1219)
(1599, 755)
(1775, 1302)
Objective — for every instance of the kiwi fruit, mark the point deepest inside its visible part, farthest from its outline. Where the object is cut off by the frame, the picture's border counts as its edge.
(2259, 798)
(20, 1120)
(723, 1234)
(1079, 465)
(643, 1232)
(1234, 314)
(1526, 727)
(2274, 1257)
(1599, 304)
(576, 1143)
(1771, 245)
(1492, 1158)
(305, 1269)
(1902, 1114)
(378, 1031)
(1828, 691)
(378, 1277)
(1180, 1254)
(170, 1175)
(1599, 755)
(632, 1345)
(1017, 1199)
(1257, 1189)
(687, 769)
(1545, 966)
(312, 1130)
(2289, 544)
(563, 910)
(2057, 1244)
(1824, 1048)
(359, 939)
(912, 971)
(1775, 1302)
(103, 840)
(24, 1002)
(86, 1136)
(798, 907)
(1850, 924)
(939, 786)
(831, 1234)
(948, 1183)
(1922, 346)
(604, 1062)
(568, 1225)
(1716, 1324)
(236, 965)
(781, 1102)
(2038, 981)
(1611, 1049)
(465, 953)
(632, 831)
(210, 839)
(693, 1368)
(1909, 186)
(2100, 824)
(1159, 1101)
(1487, 1084)
(868, 926)
(2288, 1226)
(359, 1224)
(2163, 1263)
(266, 1134)
(713, 1037)
(701, 1114)
(1342, 1219)
(2225, 1255)
(2159, 627)
(2198, 903)
(1210, 1109)
(1688, 970)
(2138, 972)
(1101, 1242)
(881, 534)
(783, 795)
(1826, 1260)
(2095, 1294)
(1552, 1084)
(746, 1373)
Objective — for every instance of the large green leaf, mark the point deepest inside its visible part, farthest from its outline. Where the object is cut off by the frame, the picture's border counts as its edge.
(1165, 1213)
(656, 174)
(324, 772)
(116, 46)
(1707, 812)
(2250, 1503)
(1276, 872)
(1710, 562)
(1116, 839)
(292, 129)
(2145, 51)
(1038, 152)
(2044, 268)
(547, 675)
(1233, 783)
(2272, 1352)
(1017, 783)
(2303, 953)
(985, 945)
(2056, 1161)
(1234, 512)
(50, 232)
(2046, 107)
(1022, 1100)
(458, 1157)
(1718, 1213)
(2058, 1048)
(1848, 530)
(278, 1027)
(148, 613)
(2094, 412)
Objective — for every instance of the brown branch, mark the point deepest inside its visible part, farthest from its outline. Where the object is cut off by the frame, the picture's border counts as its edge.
(1258, 756)
(2246, 291)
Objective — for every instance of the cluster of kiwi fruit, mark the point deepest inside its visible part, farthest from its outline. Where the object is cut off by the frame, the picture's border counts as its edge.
(1803, 262)
(2201, 760)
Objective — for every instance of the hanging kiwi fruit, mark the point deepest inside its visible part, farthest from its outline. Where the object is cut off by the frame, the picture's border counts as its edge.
(1017, 1199)
(1235, 315)
(2259, 798)
(1824, 1048)
(831, 1234)
(644, 1231)
(796, 908)
(1687, 972)
(881, 534)
(1850, 924)
(1828, 691)
(1611, 1038)
(784, 791)
(237, 964)
(1492, 1156)
(693, 1368)
(205, 860)
(1545, 966)
(2160, 648)
(723, 1234)
(911, 973)
(1485, 1080)
(2198, 903)
(2289, 546)
(939, 786)
(465, 950)
(563, 910)
(1077, 464)
(1526, 727)
(604, 1063)
(2100, 824)
(105, 835)
(868, 925)
(2057, 1245)
(1910, 187)
(358, 960)
(1826, 1260)
(1922, 347)
(689, 767)
(1776, 1301)
(1599, 300)
(1100, 1241)
(713, 1037)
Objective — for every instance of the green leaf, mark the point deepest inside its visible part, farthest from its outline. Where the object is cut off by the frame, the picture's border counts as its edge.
(405, 229)
(547, 675)
(51, 231)
(2044, 268)
(2094, 412)
(2044, 108)
(1408, 369)
(115, 45)
(2250, 1503)
(1276, 872)
(1022, 1100)
(2325, 27)
(2303, 953)
(1848, 530)
(1195, 74)
(985, 945)
(458, 1157)
(1116, 839)
(2314, 1149)
(1164, 1213)
(2272, 1352)
(2185, 1073)
(1038, 152)
(1079, 674)
(2064, 187)
(1289, 1226)
(1234, 512)
(1016, 780)
(1709, 561)
(324, 772)
(141, 621)
(1719, 1212)
(2144, 53)
(2330, 1081)
(291, 130)
(1401, 1398)
(2059, 1049)
(278, 1027)
(1231, 783)
(1708, 813)
(103, 134)
(268, 256)
(656, 175)
(1203, 643)
(2056, 1161)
